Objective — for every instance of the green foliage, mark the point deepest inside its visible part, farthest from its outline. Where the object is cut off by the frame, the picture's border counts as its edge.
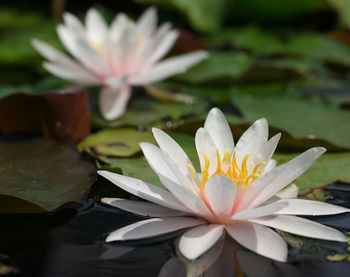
(115, 142)
(39, 175)
(303, 117)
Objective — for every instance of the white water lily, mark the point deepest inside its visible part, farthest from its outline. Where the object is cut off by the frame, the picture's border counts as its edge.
(235, 191)
(116, 57)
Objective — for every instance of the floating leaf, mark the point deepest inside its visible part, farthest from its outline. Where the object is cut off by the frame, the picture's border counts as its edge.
(302, 117)
(63, 115)
(204, 15)
(219, 66)
(329, 168)
(145, 113)
(122, 142)
(343, 9)
(38, 175)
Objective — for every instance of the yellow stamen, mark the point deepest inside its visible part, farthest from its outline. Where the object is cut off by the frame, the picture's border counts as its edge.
(241, 175)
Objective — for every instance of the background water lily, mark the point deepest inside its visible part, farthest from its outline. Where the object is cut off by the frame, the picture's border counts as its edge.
(235, 191)
(117, 57)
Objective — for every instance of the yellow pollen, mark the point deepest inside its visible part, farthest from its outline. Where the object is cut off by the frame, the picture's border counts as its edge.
(229, 167)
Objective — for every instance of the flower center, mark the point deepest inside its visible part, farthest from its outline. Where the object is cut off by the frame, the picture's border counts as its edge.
(228, 166)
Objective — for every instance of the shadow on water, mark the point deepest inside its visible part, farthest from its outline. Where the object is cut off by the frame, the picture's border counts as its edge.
(70, 242)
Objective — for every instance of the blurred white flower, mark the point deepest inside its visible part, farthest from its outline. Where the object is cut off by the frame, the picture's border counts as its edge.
(235, 191)
(116, 57)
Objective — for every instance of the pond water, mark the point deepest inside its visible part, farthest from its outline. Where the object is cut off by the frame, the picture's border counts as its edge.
(70, 242)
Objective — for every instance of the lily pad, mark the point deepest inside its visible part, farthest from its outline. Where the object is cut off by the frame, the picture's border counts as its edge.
(329, 168)
(207, 16)
(122, 142)
(303, 117)
(143, 113)
(219, 66)
(39, 175)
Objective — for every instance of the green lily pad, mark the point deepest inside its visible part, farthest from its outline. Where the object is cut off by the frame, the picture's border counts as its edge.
(219, 66)
(122, 142)
(329, 168)
(302, 117)
(39, 175)
(204, 15)
(145, 113)
(343, 9)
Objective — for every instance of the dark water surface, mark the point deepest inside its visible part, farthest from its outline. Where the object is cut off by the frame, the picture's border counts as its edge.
(70, 242)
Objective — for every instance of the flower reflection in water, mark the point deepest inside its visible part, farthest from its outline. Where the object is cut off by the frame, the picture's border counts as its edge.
(227, 258)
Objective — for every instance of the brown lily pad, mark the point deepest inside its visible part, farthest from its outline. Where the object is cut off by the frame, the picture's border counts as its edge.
(62, 115)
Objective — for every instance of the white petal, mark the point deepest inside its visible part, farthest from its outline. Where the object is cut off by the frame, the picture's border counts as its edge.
(219, 130)
(195, 242)
(252, 139)
(73, 23)
(160, 49)
(63, 66)
(159, 162)
(169, 67)
(147, 22)
(153, 227)
(266, 151)
(173, 149)
(173, 267)
(300, 226)
(80, 48)
(174, 180)
(309, 207)
(221, 193)
(48, 51)
(118, 27)
(206, 146)
(272, 182)
(113, 101)
(290, 191)
(96, 26)
(76, 75)
(271, 164)
(141, 207)
(259, 239)
(261, 211)
(146, 191)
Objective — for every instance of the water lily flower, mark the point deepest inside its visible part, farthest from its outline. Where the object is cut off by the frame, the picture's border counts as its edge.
(116, 57)
(234, 192)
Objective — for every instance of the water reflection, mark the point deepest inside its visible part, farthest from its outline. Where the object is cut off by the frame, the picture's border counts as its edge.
(227, 258)
(78, 249)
